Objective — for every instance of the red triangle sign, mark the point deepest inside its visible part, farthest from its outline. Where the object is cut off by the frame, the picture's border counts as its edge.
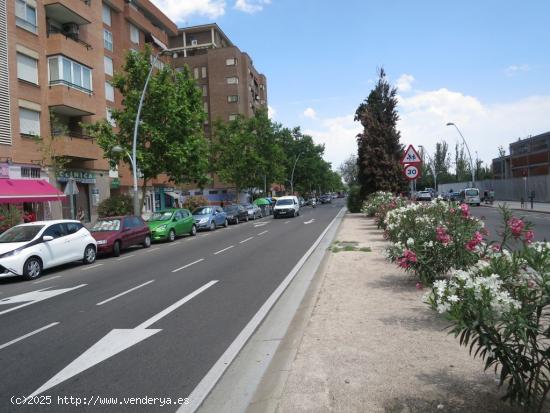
(411, 156)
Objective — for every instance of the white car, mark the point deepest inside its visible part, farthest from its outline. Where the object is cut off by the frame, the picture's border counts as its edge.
(27, 249)
(288, 206)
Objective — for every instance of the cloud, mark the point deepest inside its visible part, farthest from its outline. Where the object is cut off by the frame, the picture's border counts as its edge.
(514, 69)
(404, 83)
(485, 126)
(251, 6)
(180, 10)
(310, 113)
(271, 112)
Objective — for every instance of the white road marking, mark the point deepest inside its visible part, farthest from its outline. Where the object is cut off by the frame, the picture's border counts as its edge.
(32, 333)
(260, 224)
(47, 279)
(245, 240)
(124, 293)
(153, 249)
(286, 222)
(114, 342)
(263, 232)
(225, 249)
(188, 265)
(90, 267)
(33, 297)
(125, 257)
(310, 221)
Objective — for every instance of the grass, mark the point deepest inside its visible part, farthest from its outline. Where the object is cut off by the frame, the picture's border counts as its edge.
(339, 246)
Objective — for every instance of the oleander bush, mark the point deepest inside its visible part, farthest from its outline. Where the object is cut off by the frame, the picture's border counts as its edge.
(116, 206)
(354, 200)
(195, 201)
(9, 217)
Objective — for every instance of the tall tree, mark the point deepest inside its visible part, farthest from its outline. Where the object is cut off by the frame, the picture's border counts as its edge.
(349, 170)
(462, 165)
(171, 138)
(379, 150)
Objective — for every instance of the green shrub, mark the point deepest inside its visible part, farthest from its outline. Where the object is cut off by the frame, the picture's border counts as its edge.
(195, 201)
(354, 200)
(9, 217)
(115, 206)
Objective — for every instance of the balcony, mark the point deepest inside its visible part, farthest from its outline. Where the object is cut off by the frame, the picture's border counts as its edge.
(69, 11)
(58, 43)
(139, 20)
(68, 101)
(75, 145)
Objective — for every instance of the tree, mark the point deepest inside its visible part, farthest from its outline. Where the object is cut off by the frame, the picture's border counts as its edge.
(349, 170)
(379, 150)
(462, 165)
(171, 138)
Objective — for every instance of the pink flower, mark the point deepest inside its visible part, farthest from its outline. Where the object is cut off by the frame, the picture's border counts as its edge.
(419, 286)
(529, 236)
(516, 225)
(474, 242)
(442, 236)
(408, 258)
(465, 208)
(496, 247)
(453, 210)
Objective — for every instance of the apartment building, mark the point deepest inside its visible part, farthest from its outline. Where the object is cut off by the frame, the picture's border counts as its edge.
(528, 157)
(57, 58)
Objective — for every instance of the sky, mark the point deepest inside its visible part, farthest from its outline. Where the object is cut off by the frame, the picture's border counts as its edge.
(484, 65)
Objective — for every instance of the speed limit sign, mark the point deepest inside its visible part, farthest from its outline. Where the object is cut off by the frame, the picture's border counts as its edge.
(411, 172)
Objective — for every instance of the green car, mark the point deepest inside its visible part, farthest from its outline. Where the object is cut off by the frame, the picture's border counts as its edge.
(170, 223)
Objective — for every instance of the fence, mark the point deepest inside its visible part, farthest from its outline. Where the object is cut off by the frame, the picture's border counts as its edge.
(512, 189)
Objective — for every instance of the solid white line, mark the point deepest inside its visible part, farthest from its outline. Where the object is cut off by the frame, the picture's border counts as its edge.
(93, 266)
(126, 256)
(199, 393)
(32, 333)
(168, 310)
(47, 279)
(245, 240)
(153, 249)
(188, 265)
(263, 232)
(124, 293)
(225, 249)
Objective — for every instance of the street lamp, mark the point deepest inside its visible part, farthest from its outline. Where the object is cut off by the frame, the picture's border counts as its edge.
(292, 176)
(468, 149)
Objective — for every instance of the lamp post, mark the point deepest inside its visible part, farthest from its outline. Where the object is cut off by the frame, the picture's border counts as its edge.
(469, 154)
(292, 176)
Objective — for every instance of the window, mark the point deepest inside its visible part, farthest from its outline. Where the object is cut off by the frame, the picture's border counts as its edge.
(56, 231)
(232, 98)
(67, 72)
(73, 227)
(106, 15)
(108, 64)
(231, 61)
(204, 90)
(134, 34)
(232, 117)
(203, 72)
(25, 16)
(109, 92)
(109, 116)
(28, 172)
(196, 73)
(27, 68)
(107, 40)
(29, 122)
(232, 80)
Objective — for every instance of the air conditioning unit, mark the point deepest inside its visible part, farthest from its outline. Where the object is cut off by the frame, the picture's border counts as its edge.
(194, 42)
(71, 30)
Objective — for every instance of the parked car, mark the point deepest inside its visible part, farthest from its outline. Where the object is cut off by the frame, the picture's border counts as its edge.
(236, 213)
(454, 196)
(312, 202)
(114, 234)
(27, 249)
(325, 199)
(302, 201)
(171, 223)
(286, 206)
(254, 211)
(470, 196)
(210, 217)
(424, 196)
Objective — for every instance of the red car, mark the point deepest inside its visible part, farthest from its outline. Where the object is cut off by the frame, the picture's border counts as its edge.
(113, 234)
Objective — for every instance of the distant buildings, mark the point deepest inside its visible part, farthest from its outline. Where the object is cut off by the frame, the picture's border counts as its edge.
(528, 157)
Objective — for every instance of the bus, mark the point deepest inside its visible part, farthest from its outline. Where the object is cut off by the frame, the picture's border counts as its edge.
(470, 196)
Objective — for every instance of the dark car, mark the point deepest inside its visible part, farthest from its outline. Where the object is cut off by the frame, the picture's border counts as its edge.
(114, 234)
(236, 213)
(325, 199)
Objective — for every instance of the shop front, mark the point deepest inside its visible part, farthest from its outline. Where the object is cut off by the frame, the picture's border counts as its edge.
(82, 192)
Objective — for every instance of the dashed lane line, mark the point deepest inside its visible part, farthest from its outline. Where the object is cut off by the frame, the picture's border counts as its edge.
(225, 249)
(188, 265)
(124, 292)
(245, 240)
(32, 333)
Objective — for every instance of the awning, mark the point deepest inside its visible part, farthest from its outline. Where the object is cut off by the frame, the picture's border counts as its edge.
(28, 190)
(172, 195)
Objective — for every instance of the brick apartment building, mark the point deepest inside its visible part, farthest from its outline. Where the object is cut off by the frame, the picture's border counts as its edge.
(528, 157)
(57, 58)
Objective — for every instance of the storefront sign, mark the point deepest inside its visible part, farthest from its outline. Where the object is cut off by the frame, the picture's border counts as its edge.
(84, 177)
(115, 183)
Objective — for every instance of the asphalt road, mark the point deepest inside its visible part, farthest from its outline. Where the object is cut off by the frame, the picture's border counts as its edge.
(493, 222)
(150, 323)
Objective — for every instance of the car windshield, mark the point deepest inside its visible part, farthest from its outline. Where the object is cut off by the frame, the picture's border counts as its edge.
(202, 211)
(20, 233)
(472, 192)
(231, 209)
(284, 202)
(161, 216)
(425, 193)
(106, 225)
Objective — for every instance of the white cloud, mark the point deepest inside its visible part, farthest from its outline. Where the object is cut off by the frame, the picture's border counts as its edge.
(514, 69)
(485, 126)
(180, 10)
(404, 83)
(271, 112)
(251, 6)
(310, 113)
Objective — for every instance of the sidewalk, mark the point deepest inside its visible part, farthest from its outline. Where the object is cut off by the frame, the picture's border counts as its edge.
(537, 206)
(371, 345)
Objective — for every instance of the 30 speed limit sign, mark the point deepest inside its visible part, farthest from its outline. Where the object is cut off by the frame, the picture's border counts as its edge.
(412, 172)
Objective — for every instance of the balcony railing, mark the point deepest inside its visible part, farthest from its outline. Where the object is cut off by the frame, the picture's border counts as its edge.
(72, 134)
(70, 85)
(54, 30)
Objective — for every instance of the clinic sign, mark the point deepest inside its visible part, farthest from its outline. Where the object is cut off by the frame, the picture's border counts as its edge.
(83, 177)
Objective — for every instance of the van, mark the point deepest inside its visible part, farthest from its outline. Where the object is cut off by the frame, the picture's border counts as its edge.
(470, 196)
(287, 206)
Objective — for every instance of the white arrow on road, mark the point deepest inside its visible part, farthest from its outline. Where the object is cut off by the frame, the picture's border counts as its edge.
(114, 342)
(33, 297)
(310, 221)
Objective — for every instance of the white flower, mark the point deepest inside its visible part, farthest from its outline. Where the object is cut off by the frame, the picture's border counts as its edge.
(410, 242)
(453, 298)
(444, 307)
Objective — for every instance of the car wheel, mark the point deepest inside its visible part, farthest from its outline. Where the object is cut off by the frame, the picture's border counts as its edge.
(247, 218)
(236, 221)
(226, 223)
(193, 230)
(147, 241)
(171, 235)
(32, 268)
(89, 254)
(212, 226)
(298, 213)
(116, 249)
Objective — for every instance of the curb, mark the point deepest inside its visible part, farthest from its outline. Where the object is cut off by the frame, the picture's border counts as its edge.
(519, 209)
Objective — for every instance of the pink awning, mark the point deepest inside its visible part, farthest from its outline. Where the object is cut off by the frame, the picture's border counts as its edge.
(28, 190)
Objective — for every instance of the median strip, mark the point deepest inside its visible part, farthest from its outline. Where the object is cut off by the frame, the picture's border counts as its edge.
(225, 249)
(188, 265)
(32, 333)
(124, 293)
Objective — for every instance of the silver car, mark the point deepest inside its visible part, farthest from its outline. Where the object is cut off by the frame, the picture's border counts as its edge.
(253, 210)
